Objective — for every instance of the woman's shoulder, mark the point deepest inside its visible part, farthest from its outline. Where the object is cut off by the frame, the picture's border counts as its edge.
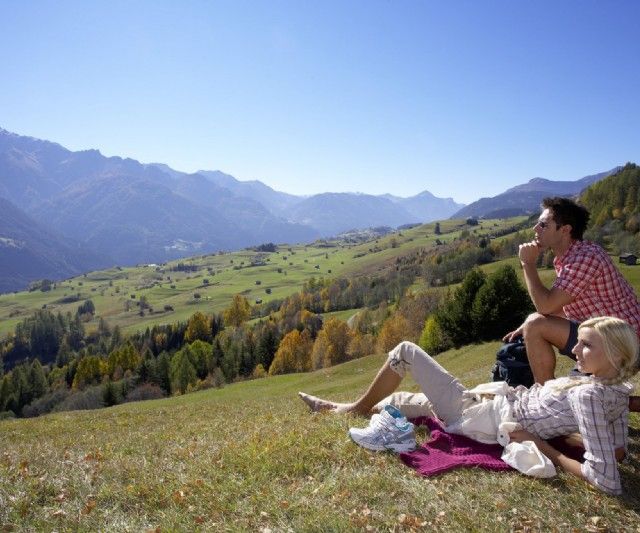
(611, 397)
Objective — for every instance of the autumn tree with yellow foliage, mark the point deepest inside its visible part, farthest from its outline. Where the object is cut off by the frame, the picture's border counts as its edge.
(238, 312)
(331, 345)
(198, 328)
(294, 353)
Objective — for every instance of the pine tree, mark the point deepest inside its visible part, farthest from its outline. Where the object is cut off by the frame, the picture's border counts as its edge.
(200, 355)
(455, 317)
(500, 305)
(163, 371)
(110, 394)
(217, 354)
(39, 383)
(6, 393)
(21, 387)
(267, 344)
(183, 373)
(147, 369)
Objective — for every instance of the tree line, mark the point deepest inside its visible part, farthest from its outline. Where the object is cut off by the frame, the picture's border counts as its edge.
(52, 363)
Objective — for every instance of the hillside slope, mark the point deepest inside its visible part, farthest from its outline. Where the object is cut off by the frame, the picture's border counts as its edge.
(525, 199)
(29, 251)
(250, 457)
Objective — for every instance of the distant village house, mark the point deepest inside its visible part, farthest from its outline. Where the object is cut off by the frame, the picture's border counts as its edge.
(628, 259)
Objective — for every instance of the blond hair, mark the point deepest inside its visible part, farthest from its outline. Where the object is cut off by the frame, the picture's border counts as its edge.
(620, 344)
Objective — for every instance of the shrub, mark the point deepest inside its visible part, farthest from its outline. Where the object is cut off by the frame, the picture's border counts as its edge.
(90, 398)
(146, 391)
(46, 404)
(259, 372)
(433, 340)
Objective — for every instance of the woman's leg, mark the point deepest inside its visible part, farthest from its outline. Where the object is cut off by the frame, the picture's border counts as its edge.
(443, 390)
(385, 382)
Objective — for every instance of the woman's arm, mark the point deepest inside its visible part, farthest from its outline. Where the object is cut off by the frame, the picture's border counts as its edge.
(557, 458)
(600, 467)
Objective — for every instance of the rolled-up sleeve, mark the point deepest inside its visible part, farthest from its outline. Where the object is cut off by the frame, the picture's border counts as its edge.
(599, 435)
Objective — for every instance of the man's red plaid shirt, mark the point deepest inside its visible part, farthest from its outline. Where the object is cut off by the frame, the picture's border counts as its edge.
(587, 273)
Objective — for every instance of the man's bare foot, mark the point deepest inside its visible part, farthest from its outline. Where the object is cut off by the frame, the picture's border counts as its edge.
(318, 404)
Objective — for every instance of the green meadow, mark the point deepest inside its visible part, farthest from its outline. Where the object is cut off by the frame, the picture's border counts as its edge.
(250, 457)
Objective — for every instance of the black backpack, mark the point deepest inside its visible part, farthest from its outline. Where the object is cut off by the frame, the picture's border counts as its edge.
(512, 364)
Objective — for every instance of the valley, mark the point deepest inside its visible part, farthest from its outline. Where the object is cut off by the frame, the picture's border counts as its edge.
(216, 278)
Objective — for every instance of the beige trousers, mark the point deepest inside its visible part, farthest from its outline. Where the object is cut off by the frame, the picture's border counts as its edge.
(442, 394)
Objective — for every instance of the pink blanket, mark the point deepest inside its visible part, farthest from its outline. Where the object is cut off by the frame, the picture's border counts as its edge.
(446, 451)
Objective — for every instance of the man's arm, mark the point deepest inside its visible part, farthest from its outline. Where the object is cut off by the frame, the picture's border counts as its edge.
(546, 301)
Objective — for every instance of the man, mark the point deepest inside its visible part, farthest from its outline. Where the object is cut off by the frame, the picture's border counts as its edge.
(587, 285)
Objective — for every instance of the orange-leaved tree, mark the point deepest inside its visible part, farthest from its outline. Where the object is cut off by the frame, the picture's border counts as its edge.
(238, 312)
(331, 345)
(294, 353)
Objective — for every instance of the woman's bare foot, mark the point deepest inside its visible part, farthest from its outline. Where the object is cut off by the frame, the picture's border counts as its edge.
(318, 404)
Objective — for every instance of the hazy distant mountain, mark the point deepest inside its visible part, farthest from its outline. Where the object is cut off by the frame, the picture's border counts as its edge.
(333, 213)
(33, 171)
(525, 199)
(28, 251)
(256, 220)
(275, 201)
(129, 211)
(135, 213)
(425, 207)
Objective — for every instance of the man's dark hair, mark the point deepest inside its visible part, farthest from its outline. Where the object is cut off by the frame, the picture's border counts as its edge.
(566, 211)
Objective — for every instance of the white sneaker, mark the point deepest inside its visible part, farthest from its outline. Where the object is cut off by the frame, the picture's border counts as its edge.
(388, 430)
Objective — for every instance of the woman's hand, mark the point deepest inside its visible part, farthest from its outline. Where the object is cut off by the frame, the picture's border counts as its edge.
(521, 435)
(557, 458)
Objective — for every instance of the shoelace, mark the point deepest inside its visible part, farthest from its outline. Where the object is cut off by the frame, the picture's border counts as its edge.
(380, 422)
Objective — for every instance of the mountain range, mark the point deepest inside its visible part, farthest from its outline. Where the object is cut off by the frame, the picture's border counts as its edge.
(525, 199)
(64, 212)
(29, 251)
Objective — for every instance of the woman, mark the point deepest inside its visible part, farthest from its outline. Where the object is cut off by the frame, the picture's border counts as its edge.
(596, 406)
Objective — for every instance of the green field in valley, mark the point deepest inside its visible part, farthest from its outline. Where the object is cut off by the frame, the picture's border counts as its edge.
(218, 277)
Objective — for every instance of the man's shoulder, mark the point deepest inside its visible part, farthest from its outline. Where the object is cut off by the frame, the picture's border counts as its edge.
(587, 249)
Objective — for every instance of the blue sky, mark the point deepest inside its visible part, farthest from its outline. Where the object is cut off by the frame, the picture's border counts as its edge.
(463, 99)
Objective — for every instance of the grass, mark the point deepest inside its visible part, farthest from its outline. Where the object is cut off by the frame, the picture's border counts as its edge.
(112, 290)
(249, 457)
